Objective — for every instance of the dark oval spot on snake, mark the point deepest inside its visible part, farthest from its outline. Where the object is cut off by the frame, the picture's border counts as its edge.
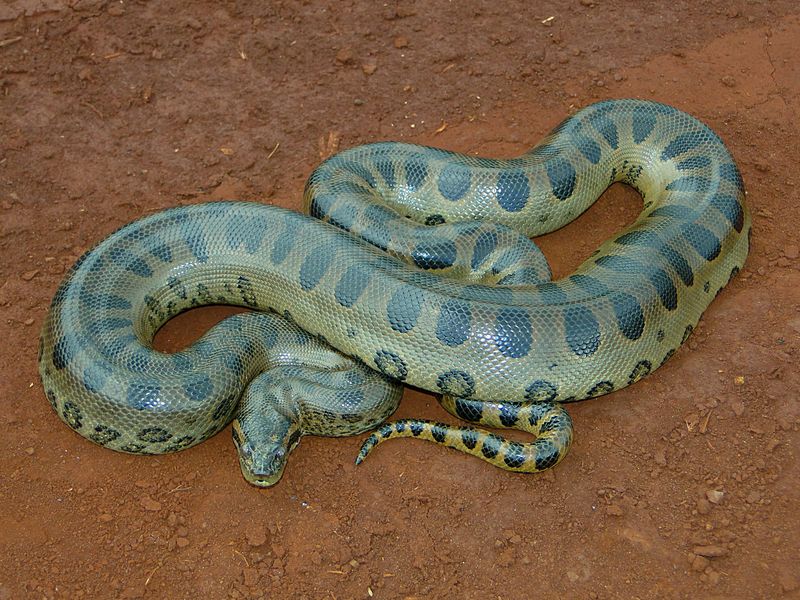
(435, 255)
(404, 307)
(453, 325)
(314, 267)
(199, 388)
(562, 177)
(582, 330)
(703, 240)
(513, 190)
(513, 335)
(484, 245)
(730, 208)
(629, 314)
(454, 182)
(351, 285)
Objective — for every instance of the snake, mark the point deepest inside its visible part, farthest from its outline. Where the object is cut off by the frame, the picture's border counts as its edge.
(409, 265)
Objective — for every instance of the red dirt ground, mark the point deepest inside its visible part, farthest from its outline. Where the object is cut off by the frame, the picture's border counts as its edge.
(684, 485)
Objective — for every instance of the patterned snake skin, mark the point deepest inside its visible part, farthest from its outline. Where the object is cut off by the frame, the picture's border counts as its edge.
(433, 282)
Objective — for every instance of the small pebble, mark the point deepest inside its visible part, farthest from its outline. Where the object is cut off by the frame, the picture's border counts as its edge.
(715, 496)
(703, 506)
(710, 551)
(400, 42)
(149, 504)
(256, 536)
(250, 576)
(788, 582)
(344, 56)
(738, 407)
(791, 251)
(700, 563)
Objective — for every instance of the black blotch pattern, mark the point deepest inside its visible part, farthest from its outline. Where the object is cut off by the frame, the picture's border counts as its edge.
(456, 383)
(469, 437)
(491, 446)
(391, 365)
(509, 413)
(642, 369)
(730, 172)
(439, 432)
(416, 428)
(547, 456)
(432, 220)
(153, 435)
(386, 168)
(351, 285)
(103, 434)
(403, 308)
(541, 391)
(181, 443)
(468, 410)
(605, 126)
(72, 415)
(416, 172)
(454, 182)
(514, 455)
(600, 388)
(484, 245)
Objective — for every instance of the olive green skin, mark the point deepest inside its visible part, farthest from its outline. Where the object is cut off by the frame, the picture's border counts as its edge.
(416, 262)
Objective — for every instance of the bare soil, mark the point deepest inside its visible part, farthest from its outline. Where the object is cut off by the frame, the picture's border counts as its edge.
(684, 485)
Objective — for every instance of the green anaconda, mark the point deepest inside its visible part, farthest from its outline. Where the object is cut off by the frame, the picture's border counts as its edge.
(415, 266)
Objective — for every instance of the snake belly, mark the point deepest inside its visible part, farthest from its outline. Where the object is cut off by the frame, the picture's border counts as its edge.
(417, 263)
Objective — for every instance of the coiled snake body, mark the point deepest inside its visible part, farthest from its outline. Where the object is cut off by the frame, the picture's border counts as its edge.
(418, 264)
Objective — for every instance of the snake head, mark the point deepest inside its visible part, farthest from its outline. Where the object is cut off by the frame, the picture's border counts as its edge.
(262, 463)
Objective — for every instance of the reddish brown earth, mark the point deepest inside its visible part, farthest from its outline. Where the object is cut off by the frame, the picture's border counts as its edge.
(684, 485)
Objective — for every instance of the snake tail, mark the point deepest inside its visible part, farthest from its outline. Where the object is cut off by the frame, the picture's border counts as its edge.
(550, 424)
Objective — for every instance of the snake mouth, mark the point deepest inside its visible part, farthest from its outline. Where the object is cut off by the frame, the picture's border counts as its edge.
(257, 478)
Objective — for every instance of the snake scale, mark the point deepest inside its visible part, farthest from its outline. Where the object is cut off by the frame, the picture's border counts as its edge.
(414, 266)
